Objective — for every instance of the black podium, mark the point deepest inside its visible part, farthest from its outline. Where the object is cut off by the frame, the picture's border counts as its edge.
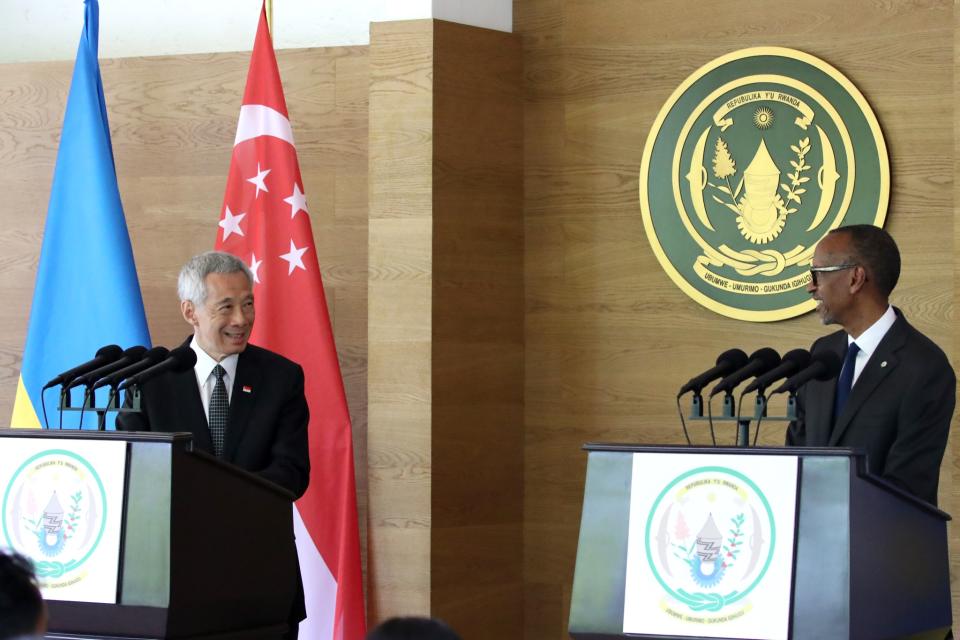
(869, 560)
(206, 549)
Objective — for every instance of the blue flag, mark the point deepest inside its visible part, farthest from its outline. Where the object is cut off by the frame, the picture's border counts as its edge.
(86, 294)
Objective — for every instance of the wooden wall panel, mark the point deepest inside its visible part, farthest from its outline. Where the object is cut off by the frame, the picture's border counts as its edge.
(399, 323)
(609, 338)
(173, 121)
(477, 434)
(446, 326)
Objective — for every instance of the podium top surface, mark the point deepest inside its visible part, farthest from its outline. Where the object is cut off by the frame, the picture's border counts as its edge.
(93, 434)
(726, 450)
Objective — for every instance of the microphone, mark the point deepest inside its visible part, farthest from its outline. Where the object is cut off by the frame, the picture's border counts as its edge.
(727, 362)
(823, 366)
(761, 361)
(131, 355)
(150, 358)
(104, 355)
(180, 359)
(792, 362)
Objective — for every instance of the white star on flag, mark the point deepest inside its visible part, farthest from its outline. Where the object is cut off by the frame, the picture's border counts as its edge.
(258, 181)
(295, 257)
(297, 201)
(231, 223)
(255, 267)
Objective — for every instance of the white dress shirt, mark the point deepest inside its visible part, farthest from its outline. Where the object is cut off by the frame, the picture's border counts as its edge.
(205, 378)
(869, 340)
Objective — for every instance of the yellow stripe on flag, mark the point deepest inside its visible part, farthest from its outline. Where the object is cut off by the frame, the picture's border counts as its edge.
(24, 416)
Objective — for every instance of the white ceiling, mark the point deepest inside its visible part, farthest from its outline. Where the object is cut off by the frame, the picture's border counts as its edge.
(33, 30)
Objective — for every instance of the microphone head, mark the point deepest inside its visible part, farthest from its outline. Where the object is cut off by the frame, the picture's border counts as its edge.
(144, 360)
(760, 361)
(184, 357)
(766, 356)
(135, 353)
(110, 352)
(832, 363)
(157, 354)
(734, 358)
(823, 366)
(799, 358)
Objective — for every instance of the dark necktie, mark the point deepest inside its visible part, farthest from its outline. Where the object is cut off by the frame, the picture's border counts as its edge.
(219, 409)
(845, 382)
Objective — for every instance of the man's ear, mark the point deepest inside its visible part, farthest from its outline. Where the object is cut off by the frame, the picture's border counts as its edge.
(858, 279)
(189, 312)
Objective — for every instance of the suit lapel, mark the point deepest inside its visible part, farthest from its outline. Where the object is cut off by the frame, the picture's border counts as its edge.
(192, 416)
(881, 363)
(242, 399)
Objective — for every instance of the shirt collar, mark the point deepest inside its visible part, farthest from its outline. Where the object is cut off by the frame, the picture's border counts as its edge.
(870, 339)
(205, 363)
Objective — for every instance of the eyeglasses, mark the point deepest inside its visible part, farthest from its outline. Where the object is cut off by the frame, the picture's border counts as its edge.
(840, 267)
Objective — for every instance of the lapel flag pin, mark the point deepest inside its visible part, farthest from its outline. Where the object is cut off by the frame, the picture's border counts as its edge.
(247, 389)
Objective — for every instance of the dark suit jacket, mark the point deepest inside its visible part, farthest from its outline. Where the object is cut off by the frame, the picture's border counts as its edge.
(899, 410)
(267, 425)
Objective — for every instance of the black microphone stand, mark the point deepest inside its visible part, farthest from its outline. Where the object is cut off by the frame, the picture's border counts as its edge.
(89, 403)
(729, 413)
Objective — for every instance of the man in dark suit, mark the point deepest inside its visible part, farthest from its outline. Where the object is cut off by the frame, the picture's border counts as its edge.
(895, 395)
(243, 404)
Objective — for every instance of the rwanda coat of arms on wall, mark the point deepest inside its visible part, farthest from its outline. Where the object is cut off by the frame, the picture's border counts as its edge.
(753, 159)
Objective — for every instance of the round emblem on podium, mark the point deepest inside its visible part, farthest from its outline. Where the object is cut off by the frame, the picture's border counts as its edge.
(54, 511)
(710, 538)
(753, 159)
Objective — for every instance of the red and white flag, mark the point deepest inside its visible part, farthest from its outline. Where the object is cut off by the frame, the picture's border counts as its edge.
(265, 222)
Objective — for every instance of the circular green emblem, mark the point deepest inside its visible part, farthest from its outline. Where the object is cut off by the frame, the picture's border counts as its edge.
(709, 541)
(54, 511)
(752, 160)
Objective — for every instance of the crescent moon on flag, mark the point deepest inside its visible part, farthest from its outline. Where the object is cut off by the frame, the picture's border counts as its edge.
(258, 120)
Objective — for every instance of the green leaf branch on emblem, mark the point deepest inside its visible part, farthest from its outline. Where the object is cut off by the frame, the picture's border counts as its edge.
(732, 549)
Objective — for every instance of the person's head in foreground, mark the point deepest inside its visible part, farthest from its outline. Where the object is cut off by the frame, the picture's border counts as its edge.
(22, 612)
(413, 629)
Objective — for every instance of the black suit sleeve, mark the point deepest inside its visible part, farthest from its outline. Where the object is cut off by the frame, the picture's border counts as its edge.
(289, 460)
(797, 429)
(131, 421)
(923, 425)
(796, 435)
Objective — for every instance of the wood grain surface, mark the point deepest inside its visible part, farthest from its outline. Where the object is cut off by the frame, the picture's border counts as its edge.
(477, 431)
(400, 318)
(446, 326)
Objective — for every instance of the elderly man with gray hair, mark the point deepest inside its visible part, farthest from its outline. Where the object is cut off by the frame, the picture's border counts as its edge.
(242, 403)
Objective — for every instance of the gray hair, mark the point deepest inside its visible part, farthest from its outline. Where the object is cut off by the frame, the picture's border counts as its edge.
(192, 286)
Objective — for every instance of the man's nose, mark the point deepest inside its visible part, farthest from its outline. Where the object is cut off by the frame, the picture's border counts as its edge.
(237, 316)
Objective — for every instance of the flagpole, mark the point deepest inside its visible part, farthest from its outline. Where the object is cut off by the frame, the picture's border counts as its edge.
(270, 17)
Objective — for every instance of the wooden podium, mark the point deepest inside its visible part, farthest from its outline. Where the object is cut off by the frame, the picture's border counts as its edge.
(868, 560)
(206, 549)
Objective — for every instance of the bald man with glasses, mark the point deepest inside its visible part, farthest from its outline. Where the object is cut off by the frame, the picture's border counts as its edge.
(895, 394)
